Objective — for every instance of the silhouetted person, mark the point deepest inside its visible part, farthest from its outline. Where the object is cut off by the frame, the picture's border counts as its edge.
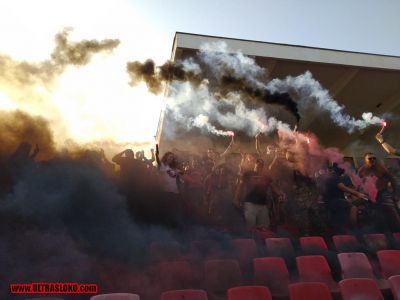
(385, 199)
(22, 157)
(99, 160)
(219, 194)
(336, 185)
(270, 154)
(169, 173)
(142, 158)
(218, 158)
(193, 188)
(303, 206)
(257, 189)
(171, 205)
(131, 170)
(246, 163)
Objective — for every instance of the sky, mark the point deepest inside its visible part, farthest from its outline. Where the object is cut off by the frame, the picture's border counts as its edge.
(355, 25)
(95, 102)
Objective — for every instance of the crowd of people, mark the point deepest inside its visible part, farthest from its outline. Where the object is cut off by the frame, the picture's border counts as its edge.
(242, 191)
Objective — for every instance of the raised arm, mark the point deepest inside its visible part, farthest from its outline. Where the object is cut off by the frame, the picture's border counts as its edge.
(153, 158)
(273, 162)
(208, 191)
(105, 161)
(239, 192)
(387, 147)
(117, 158)
(158, 156)
(229, 148)
(258, 148)
(35, 152)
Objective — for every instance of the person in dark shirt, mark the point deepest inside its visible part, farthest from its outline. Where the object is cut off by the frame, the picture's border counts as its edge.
(385, 184)
(219, 194)
(142, 158)
(131, 170)
(336, 185)
(255, 189)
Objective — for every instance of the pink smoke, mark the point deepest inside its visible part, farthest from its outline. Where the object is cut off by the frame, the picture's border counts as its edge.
(308, 157)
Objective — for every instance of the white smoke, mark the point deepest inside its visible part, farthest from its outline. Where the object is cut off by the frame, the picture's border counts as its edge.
(199, 107)
(311, 93)
(202, 109)
(220, 58)
(189, 65)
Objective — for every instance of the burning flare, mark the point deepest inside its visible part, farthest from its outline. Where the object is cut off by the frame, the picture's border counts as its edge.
(384, 124)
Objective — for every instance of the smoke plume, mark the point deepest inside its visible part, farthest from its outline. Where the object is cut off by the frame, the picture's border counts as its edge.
(18, 126)
(65, 53)
(216, 114)
(227, 71)
(311, 93)
(154, 77)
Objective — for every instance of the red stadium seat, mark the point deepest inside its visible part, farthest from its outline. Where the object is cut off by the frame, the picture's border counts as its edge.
(395, 286)
(273, 273)
(51, 298)
(281, 247)
(221, 275)
(309, 291)
(376, 242)
(345, 243)
(360, 288)
(389, 261)
(184, 294)
(355, 265)
(116, 296)
(313, 244)
(174, 275)
(249, 293)
(396, 240)
(244, 250)
(164, 251)
(315, 268)
(206, 249)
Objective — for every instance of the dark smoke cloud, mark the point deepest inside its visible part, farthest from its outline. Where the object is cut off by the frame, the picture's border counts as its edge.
(18, 126)
(230, 83)
(154, 77)
(78, 53)
(189, 71)
(65, 53)
(65, 221)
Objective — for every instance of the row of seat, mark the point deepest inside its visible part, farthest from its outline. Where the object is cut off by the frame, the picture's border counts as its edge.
(281, 246)
(221, 274)
(225, 267)
(350, 289)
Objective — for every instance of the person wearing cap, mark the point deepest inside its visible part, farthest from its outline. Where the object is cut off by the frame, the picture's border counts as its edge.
(254, 195)
(387, 147)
